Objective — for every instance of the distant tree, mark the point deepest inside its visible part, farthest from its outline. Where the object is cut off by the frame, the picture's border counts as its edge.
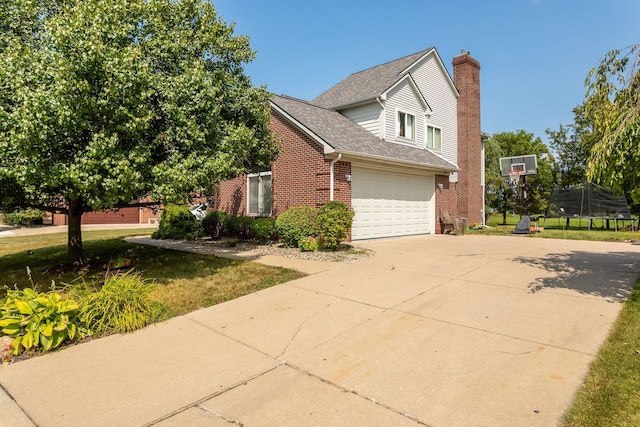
(538, 187)
(612, 106)
(570, 161)
(107, 101)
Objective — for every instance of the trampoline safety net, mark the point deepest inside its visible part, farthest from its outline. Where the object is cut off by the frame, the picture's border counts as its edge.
(589, 201)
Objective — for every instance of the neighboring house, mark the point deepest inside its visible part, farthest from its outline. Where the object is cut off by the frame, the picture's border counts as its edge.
(125, 215)
(397, 142)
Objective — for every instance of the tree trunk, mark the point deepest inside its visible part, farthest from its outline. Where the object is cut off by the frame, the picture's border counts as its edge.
(74, 246)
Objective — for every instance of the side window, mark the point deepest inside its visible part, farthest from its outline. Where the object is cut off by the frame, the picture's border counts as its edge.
(434, 138)
(406, 125)
(259, 194)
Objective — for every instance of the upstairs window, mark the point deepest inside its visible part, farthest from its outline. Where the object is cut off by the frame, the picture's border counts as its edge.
(406, 126)
(259, 194)
(434, 138)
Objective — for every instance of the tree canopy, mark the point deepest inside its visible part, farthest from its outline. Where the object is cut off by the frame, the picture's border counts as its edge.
(612, 106)
(500, 196)
(572, 146)
(107, 101)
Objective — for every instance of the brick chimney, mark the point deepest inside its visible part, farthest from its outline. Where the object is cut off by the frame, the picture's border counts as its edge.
(466, 77)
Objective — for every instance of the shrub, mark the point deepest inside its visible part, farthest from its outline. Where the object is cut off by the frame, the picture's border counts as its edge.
(39, 320)
(334, 222)
(240, 226)
(214, 223)
(24, 217)
(123, 304)
(296, 223)
(174, 215)
(309, 244)
(177, 223)
(264, 229)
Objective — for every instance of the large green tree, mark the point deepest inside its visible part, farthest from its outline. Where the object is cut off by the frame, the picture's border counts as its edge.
(572, 146)
(503, 198)
(612, 106)
(107, 101)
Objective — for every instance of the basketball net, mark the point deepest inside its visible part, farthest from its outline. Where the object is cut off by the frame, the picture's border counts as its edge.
(514, 177)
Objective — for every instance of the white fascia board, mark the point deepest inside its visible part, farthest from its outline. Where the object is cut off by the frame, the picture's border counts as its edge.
(326, 148)
(384, 159)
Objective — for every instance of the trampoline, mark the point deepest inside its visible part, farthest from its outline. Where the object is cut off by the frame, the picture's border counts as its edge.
(589, 202)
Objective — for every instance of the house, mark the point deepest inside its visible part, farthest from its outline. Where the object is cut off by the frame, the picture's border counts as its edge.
(396, 142)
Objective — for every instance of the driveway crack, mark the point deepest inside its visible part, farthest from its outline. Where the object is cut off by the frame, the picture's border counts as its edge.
(301, 326)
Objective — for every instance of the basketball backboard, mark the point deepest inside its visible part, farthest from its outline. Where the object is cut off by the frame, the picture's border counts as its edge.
(526, 165)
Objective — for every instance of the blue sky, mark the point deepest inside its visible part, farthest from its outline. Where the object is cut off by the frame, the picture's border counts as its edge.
(534, 54)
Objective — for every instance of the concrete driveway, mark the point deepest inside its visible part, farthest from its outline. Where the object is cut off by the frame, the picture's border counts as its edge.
(432, 330)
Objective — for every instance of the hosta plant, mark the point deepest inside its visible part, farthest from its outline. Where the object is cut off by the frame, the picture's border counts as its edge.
(42, 320)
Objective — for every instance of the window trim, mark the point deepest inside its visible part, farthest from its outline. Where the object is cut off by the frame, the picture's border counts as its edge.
(426, 135)
(403, 126)
(259, 175)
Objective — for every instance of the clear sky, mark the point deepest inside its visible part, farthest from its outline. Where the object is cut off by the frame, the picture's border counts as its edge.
(534, 54)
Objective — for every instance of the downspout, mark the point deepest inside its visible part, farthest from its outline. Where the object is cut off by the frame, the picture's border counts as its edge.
(331, 184)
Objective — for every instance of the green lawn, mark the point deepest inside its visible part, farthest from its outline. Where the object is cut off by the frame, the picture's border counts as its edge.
(186, 281)
(553, 229)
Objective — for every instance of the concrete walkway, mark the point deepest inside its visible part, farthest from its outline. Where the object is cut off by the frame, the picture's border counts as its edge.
(432, 330)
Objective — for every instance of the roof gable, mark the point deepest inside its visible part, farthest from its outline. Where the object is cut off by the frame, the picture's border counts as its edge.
(373, 82)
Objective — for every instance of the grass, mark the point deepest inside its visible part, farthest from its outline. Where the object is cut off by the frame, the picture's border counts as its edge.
(553, 229)
(186, 282)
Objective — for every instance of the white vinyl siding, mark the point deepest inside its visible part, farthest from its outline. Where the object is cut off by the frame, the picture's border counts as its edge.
(388, 204)
(403, 98)
(434, 84)
(367, 116)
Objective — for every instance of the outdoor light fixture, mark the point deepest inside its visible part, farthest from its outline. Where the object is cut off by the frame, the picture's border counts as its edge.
(348, 177)
(440, 186)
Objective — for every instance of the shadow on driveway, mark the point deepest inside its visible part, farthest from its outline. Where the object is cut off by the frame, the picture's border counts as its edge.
(609, 275)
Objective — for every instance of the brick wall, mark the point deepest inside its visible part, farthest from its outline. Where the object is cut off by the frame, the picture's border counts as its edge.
(300, 175)
(466, 74)
(447, 197)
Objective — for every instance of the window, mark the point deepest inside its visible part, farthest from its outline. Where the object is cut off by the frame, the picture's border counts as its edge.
(434, 138)
(259, 194)
(406, 126)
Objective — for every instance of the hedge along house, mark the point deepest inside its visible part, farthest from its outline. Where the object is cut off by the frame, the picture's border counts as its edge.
(396, 142)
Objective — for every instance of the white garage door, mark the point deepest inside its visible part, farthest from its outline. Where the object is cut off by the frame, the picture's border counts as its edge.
(390, 204)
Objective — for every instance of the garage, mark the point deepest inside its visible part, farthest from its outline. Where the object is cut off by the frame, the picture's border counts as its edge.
(388, 204)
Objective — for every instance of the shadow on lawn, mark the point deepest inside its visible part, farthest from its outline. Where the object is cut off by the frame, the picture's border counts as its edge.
(610, 275)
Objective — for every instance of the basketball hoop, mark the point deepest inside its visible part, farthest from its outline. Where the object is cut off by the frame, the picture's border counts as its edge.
(514, 177)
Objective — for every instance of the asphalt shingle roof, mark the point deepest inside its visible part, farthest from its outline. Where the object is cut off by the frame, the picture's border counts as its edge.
(367, 84)
(347, 137)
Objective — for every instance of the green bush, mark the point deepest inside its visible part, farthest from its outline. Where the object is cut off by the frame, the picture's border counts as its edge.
(214, 223)
(178, 223)
(174, 215)
(334, 222)
(264, 229)
(123, 304)
(240, 227)
(24, 217)
(39, 320)
(296, 223)
(309, 244)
